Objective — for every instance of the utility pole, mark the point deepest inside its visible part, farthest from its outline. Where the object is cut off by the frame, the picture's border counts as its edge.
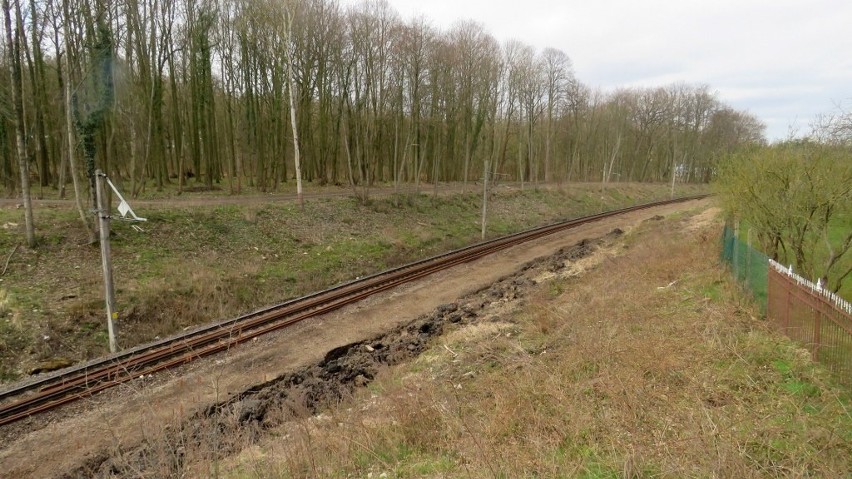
(104, 217)
(484, 196)
(103, 226)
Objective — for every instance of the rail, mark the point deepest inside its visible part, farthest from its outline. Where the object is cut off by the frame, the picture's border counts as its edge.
(74, 383)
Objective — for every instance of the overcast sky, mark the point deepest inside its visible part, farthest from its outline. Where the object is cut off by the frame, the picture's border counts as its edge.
(784, 61)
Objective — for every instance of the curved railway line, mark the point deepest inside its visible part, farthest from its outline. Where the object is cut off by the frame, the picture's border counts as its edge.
(53, 390)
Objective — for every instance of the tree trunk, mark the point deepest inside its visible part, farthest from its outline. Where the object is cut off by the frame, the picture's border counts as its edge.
(69, 133)
(13, 50)
(296, 157)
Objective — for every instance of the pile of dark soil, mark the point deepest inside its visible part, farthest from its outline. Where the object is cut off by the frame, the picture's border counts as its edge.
(309, 390)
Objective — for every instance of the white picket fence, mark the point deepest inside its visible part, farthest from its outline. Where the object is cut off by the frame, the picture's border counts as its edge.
(816, 288)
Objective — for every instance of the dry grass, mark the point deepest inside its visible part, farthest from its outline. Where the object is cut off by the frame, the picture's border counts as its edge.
(652, 365)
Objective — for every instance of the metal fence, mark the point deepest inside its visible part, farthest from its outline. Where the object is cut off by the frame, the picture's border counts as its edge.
(806, 312)
(747, 264)
(813, 316)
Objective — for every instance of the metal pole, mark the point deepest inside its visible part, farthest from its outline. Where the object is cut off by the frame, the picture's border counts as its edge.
(748, 252)
(484, 197)
(736, 250)
(674, 170)
(103, 226)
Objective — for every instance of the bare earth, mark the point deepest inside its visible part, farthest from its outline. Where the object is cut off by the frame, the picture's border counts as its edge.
(144, 408)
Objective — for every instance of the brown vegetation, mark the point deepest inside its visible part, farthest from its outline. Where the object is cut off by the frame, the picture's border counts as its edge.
(652, 365)
(649, 364)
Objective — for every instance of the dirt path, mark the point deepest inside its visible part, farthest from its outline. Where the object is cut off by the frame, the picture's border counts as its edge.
(145, 408)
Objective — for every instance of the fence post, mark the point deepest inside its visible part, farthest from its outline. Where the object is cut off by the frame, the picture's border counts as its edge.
(748, 254)
(736, 252)
(787, 305)
(817, 334)
(822, 305)
(772, 313)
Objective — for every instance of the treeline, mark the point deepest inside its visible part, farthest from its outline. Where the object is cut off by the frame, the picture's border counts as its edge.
(160, 91)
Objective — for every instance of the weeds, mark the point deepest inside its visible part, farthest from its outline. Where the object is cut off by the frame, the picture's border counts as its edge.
(651, 367)
(193, 266)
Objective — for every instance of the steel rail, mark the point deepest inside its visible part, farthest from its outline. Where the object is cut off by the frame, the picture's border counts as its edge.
(82, 381)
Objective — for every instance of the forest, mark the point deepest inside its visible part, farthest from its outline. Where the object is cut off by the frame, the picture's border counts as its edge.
(238, 93)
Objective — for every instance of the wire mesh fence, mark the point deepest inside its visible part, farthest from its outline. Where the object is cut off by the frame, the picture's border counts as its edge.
(807, 313)
(816, 318)
(747, 264)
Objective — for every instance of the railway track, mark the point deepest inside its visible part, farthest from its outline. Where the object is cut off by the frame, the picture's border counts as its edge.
(51, 391)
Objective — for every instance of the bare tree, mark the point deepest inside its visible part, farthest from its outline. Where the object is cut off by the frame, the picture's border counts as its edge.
(289, 49)
(13, 53)
(200, 90)
(558, 79)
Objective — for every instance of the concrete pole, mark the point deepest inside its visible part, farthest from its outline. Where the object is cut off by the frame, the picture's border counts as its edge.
(674, 175)
(103, 227)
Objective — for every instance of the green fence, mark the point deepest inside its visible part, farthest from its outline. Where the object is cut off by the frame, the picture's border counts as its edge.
(749, 265)
(818, 319)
